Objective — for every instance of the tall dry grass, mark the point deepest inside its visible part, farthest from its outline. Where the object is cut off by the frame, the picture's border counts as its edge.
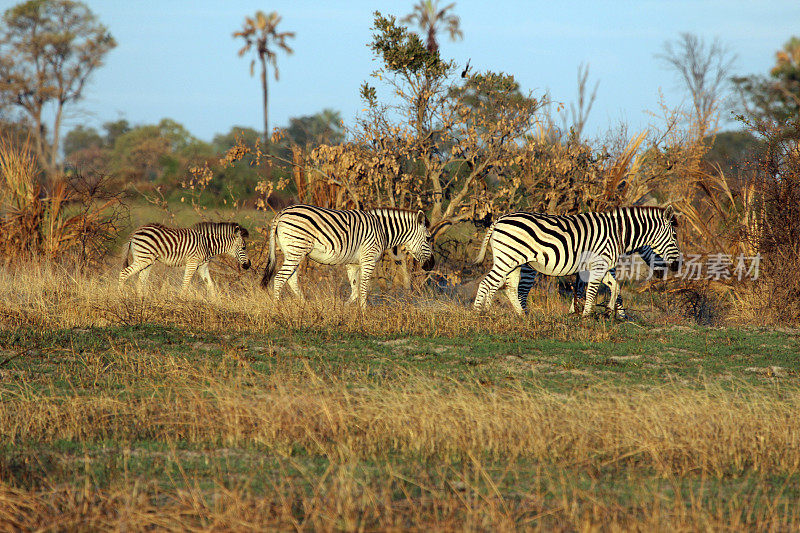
(417, 452)
(46, 294)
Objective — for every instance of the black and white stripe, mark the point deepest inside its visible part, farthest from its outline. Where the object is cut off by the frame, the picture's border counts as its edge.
(353, 238)
(192, 247)
(528, 277)
(564, 245)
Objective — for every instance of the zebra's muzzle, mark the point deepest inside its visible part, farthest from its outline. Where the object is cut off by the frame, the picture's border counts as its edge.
(429, 264)
(246, 264)
(675, 266)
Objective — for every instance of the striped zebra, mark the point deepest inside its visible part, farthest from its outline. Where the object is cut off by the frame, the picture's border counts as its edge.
(353, 238)
(563, 245)
(528, 277)
(193, 247)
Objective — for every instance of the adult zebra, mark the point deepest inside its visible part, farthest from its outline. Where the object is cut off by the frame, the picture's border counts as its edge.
(193, 247)
(528, 277)
(335, 237)
(561, 245)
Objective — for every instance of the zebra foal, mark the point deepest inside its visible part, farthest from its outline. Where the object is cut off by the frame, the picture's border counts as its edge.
(354, 238)
(193, 247)
(563, 245)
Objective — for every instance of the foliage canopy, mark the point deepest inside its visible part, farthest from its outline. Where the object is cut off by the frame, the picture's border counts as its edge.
(48, 51)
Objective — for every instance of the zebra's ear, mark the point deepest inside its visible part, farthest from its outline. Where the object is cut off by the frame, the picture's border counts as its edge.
(421, 218)
(671, 214)
(242, 231)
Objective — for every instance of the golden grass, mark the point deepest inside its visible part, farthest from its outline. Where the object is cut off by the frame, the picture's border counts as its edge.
(672, 430)
(44, 294)
(711, 434)
(419, 452)
(19, 175)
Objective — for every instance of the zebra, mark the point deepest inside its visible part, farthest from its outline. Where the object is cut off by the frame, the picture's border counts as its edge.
(193, 247)
(528, 277)
(354, 238)
(565, 244)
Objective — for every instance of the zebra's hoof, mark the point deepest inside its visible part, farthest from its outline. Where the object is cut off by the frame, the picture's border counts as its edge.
(610, 313)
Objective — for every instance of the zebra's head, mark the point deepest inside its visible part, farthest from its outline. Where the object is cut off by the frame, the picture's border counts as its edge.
(238, 246)
(665, 239)
(419, 242)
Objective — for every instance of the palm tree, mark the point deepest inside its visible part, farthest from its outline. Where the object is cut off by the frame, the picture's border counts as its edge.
(260, 32)
(430, 18)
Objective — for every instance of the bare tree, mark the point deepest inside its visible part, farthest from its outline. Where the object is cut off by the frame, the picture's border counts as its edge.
(704, 68)
(579, 111)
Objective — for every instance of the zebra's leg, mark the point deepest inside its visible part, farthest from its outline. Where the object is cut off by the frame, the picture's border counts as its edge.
(143, 275)
(591, 293)
(191, 268)
(206, 276)
(367, 267)
(294, 284)
(291, 261)
(512, 290)
(578, 293)
(354, 275)
(621, 313)
(527, 277)
(615, 301)
(489, 286)
(130, 270)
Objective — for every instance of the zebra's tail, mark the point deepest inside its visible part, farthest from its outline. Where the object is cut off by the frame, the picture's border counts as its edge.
(482, 253)
(126, 252)
(269, 270)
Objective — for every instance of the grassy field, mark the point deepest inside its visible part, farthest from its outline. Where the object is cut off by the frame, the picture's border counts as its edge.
(180, 412)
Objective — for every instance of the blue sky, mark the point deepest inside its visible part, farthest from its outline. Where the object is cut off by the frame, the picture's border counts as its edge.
(177, 59)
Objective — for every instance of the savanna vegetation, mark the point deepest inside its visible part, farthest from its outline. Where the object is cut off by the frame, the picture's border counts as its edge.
(176, 411)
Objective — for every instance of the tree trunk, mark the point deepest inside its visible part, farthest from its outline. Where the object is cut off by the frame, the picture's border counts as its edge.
(266, 97)
(40, 141)
(438, 195)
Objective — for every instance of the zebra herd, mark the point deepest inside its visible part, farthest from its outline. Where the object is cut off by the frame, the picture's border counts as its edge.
(523, 244)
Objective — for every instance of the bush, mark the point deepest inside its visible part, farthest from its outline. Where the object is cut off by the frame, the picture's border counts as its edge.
(776, 235)
(74, 219)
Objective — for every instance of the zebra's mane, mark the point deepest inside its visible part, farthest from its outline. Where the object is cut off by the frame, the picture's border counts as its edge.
(651, 208)
(206, 227)
(387, 210)
(392, 209)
